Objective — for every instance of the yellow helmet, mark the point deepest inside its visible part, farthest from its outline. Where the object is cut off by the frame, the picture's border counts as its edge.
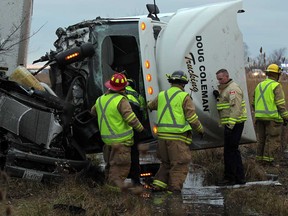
(273, 68)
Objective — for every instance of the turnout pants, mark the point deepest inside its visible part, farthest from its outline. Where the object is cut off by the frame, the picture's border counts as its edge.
(118, 160)
(269, 136)
(175, 157)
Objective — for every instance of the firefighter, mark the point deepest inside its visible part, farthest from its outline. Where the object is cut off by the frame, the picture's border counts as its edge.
(270, 111)
(116, 121)
(134, 100)
(232, 112)
(176, 118)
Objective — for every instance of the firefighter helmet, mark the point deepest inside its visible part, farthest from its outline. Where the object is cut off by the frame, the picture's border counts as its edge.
(177, 77)
(117, 82)
(273, 68)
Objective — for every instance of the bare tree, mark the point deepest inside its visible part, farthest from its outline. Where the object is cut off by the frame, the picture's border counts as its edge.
(278, 56)
(12, 39)
(262, 60)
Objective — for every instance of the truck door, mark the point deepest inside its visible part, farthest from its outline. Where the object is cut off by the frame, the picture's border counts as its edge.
(148, 34)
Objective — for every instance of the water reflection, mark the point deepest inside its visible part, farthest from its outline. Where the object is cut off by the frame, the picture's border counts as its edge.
(194, 192)
(195, 199)
(201, 200)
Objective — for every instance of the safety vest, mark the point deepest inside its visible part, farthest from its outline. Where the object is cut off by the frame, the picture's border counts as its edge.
(265, 106)
(113, 128)
(132, 96)
(171, 117)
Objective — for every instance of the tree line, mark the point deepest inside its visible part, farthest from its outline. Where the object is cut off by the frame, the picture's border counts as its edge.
(263, 60)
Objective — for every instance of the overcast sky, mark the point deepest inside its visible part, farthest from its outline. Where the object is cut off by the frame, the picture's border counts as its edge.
(264, 22)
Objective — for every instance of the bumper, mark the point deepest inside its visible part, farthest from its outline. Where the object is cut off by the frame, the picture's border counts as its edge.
(31, 166)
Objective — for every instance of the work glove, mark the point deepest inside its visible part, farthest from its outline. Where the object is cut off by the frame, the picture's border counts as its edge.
(228, 128)
(147, 106)
(216, 93)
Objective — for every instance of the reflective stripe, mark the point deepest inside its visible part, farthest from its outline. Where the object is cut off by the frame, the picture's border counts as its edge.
(170, 136)
(284, 114)
(232, 110)
(199, 128)
(266, 112)
(116, 136)
(130, 117)
(114, 129)
(193, 118)
(265, 158)
(262, 91)
(103, 117)
(279, 102)
(230, 120)
(159, 184)
(221, 106)
(132, 96)
(265, 106)
(168, 106)
(170, 115)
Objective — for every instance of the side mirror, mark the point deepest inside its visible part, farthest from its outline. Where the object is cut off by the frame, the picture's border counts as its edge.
(75, 54)
(153, 11)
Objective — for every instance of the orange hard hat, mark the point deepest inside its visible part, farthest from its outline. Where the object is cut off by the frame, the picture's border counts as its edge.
(117, 82)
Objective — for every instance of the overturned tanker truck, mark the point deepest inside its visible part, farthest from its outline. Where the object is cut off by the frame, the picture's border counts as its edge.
(42, 130)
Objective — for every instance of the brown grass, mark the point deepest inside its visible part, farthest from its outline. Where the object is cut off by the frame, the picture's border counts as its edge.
(257, 200)
(33, 198)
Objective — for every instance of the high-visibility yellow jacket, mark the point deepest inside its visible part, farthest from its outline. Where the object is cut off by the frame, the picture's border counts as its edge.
(176, 115)
(171, 116)
(132, 96)
(230, 104)
(137, 102)
(113, 127)
(269, 101)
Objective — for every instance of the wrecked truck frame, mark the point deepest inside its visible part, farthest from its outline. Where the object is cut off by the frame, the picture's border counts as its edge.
(45, 135)
(38, 130)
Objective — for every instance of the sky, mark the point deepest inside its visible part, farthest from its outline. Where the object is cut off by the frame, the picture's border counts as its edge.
(264, 23)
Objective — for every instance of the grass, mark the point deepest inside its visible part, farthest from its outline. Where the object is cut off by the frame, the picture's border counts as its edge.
(258, 200)
(33, 199)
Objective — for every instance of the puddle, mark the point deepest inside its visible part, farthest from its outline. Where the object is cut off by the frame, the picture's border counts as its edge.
(195, 198)
(199, 199)
(194, 192)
